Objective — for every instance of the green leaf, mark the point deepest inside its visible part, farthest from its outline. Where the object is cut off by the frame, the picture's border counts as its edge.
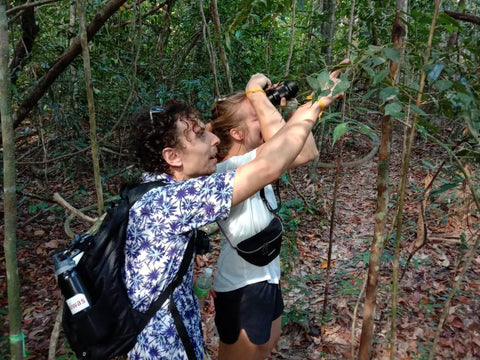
(343, 85)
(392, 54)
(378, 60)
(228, 41)
(445, 187)
(388, 94)
(443, 85)
(394, 109)
(379, 76)
(313, 82)
(419, 111)
(465, 99)
(339, 131)
(324, 79)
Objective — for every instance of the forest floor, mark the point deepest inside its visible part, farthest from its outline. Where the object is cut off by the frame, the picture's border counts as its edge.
(307, 333)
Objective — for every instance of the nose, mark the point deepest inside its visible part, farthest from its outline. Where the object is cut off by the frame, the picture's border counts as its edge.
(215, 140)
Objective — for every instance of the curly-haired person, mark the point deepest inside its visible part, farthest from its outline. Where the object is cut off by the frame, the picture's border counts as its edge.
(172, 144)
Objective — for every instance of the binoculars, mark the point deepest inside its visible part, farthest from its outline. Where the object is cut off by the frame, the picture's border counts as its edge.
(287, 90)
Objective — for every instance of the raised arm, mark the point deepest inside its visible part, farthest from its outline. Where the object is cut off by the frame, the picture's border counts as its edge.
(276, 155)
(271, 120)
(281, 151)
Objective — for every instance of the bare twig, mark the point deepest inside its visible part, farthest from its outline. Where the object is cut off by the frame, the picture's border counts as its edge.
(52, 349)
(62, 202)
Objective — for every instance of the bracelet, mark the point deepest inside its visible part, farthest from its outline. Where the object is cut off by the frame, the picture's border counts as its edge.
(254, 91)
(322, 107)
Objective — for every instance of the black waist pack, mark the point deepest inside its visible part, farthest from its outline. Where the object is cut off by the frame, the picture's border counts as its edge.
(261, 248)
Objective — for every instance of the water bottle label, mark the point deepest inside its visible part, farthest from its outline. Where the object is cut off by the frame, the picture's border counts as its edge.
(200, 292)
(77, 303)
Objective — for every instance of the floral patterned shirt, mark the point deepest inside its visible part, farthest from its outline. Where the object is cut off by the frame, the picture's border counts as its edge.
(157, 234)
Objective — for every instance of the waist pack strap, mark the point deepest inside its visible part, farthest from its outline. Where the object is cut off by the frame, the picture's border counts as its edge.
(267, 204)
(277, 195)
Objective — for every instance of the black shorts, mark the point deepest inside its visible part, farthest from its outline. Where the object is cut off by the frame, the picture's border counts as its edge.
(252, 307)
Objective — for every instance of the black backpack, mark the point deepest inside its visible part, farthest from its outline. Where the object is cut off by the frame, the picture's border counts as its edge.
(115, 323)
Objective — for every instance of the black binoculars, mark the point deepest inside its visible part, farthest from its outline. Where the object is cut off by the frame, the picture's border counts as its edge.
(287, 90)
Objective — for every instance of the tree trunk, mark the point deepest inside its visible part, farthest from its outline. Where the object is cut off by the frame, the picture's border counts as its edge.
(378, 240)
(91, 105)
(210, 51)
(64, 60)
(399, 34)
(163, 38)
(218, 37)
(464, 17)
(292, 38)
(405, 168)
(73, 70)
(328, 29)
(16, 337)
(24, 46)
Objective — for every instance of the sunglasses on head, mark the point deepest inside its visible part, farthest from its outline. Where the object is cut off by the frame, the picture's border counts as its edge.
(154, 110)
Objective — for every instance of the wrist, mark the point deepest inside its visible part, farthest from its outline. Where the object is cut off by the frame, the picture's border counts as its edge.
(249, 92)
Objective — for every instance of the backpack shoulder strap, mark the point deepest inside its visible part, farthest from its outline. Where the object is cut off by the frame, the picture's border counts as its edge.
(177, 318)
(157, 304)
(133, 192)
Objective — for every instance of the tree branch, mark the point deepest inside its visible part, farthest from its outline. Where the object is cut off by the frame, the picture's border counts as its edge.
(65, 60)
(464, 17)
(29, 5)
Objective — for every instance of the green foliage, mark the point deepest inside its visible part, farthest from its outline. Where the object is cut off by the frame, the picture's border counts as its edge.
(39, 206)
(127, 63)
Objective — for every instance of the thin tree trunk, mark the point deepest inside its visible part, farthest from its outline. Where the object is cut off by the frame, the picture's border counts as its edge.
(328, 29)
(378, 239)
(29, 33)
(16, 337)
(403, 184)
(406, 165)
(331, 232)
(163, 38)
(292, 38)
(64, 61)
(399, 33)
(73, 70)
(210, 51)
(91, 104)
(218, 37)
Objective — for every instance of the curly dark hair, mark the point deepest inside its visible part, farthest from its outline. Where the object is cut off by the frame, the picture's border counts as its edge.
(155, 131)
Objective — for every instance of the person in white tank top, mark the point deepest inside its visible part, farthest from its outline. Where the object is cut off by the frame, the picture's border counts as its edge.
(248, 300)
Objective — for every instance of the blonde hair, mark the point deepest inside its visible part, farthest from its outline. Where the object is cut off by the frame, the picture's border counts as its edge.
(225, 117)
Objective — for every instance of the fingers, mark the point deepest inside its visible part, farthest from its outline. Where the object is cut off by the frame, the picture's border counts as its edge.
(334, 74)
(258, 81)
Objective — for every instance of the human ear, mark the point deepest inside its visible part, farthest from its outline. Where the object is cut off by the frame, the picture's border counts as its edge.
(172, 157)
(236, 134)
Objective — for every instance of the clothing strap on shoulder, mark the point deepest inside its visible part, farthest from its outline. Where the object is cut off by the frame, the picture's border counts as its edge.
(279, 199)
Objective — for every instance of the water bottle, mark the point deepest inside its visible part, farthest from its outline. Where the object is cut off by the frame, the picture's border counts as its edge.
(88, 322)
(76, 295)
(203, 285)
